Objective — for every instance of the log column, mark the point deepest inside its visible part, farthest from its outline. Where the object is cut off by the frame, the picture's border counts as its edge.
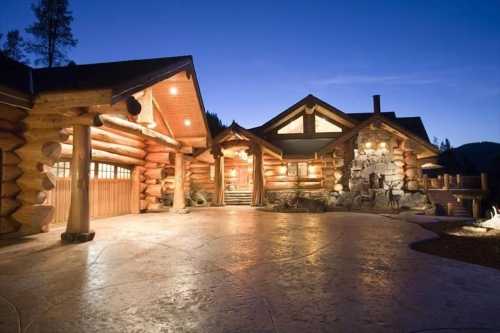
(179, 204)
(476, 207)
(218, 176)
(78, 227)
(258, 177)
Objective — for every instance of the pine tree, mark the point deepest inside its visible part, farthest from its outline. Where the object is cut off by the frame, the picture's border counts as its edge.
(51, 32)
(215, 124)
(14, 45)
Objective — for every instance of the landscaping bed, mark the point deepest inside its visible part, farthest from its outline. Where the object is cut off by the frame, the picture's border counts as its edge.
(459, 241)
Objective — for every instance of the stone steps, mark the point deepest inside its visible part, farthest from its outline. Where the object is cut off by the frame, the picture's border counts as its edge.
(442, 198)
(240, 198)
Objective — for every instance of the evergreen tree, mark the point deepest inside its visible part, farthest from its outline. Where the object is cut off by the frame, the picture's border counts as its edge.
(215, 124)
(445, 145)
(51, 32)
(14, 45)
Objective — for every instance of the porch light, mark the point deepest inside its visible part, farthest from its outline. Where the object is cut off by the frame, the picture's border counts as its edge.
(232, 173)
(382, 145)
(282, 169)
(368, 145)
(187, 122)
(173, 91)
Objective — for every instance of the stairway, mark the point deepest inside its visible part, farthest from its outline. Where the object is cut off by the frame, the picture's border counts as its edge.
(441, 198)
(238, 198)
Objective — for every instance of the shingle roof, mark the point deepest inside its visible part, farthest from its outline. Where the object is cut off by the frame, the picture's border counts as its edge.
(15, 75)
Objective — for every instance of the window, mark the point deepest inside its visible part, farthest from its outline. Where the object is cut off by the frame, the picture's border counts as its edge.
(92, 169)
(302, 169)
(62, 169)
(321, 125)
(293, 127)
(122, 173)
(105, 171)
(299, 169)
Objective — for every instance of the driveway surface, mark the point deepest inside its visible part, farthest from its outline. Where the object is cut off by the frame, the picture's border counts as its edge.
(235, 269)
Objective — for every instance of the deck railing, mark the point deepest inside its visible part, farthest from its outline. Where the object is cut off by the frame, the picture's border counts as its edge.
(447, 182)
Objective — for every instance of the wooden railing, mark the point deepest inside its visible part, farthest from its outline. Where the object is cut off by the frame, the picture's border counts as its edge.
(447, 182)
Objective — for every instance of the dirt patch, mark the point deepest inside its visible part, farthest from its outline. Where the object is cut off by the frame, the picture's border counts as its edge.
(478, 246)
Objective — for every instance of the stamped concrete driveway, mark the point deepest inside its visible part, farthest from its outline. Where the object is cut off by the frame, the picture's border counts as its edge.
(240, 270)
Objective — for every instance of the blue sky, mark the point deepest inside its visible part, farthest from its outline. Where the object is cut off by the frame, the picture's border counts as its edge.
(436, 59)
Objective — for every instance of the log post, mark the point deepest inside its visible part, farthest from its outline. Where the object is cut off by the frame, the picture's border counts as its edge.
(459, 181)
(426, 183)
(258, 177)
(179, 203)
(476, 206)
(446, 181)
(218, 177)
(135, 196)
(484, 181)
(78, 227)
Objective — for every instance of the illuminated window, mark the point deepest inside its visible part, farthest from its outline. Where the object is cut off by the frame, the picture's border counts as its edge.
(299, 169)
(62, 169)
(324, 126)
(292, 170)
(105, 171)
(92, 169)
(212, 172)
(302, 169)
(293, 127)
(122, 173)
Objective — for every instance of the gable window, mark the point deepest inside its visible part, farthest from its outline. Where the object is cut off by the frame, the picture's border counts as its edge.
(321, 125)
(294, 127)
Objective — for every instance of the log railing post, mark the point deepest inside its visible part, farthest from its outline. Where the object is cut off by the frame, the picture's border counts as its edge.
(484, 181)
(446, 181)
(476, 206)
(179, 204)
(258, 177)
(78, 227)
(218, 176)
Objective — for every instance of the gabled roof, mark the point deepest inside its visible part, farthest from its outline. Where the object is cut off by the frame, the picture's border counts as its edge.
(391, 123)
(15, 75)
(310, 101)
(123, 77)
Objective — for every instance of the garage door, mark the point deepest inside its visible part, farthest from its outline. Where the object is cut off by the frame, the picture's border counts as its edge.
(110, 188)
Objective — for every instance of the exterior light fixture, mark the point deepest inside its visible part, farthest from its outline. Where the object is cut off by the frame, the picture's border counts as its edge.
(151, 125)
(173, 91)
(232, 173)
(187, 122)
(368, 145)
(283, 169)
(382, 145)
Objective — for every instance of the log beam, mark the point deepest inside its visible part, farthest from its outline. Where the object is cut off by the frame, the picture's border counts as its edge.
(179, 204)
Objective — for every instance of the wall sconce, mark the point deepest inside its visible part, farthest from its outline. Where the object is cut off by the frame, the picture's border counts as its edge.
(187, 122)
(232, 173)
(368, 145)
(173, 91)
(283, 169)
(382, 145)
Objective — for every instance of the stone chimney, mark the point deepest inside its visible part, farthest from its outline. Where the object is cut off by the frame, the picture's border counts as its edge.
(376, 104)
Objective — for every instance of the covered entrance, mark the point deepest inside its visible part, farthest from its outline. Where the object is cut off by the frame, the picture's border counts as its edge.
(237, 157)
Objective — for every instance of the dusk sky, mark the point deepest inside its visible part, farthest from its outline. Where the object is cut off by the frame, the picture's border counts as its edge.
(436, 59)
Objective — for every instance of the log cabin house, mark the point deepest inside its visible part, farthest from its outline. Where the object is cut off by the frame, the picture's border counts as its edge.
(99, 140)
(89, 141)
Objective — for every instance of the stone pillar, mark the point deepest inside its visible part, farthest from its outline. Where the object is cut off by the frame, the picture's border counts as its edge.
(219, 176)
(78, 227)
(179, 204)
(258, 195)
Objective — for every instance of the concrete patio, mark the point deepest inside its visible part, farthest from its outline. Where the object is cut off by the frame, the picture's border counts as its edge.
(235, 269)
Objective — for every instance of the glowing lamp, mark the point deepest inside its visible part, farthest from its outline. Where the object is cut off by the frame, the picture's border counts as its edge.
(282, 169)
(368, 145)
(382, 145)
(151, 125)
(187, 122)
(173, 91)
(232, 173)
